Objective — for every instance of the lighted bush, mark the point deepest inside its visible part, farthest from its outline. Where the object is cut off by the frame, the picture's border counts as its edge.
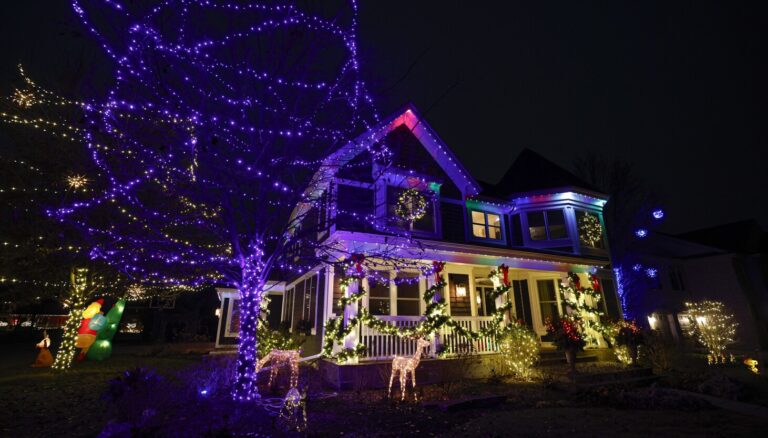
(712, 325)
(625, 337)
(519, 348)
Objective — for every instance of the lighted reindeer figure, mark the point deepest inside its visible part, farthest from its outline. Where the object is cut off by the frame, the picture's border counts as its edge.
(405, 365)
(281, 358)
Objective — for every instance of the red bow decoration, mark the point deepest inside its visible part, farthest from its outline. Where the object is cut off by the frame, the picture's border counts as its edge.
(505, 273)
(595, 283)
(358, 260)
(437, 268)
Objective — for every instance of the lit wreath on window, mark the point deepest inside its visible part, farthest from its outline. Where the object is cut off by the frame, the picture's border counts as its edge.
(411, 206)
(590, 229)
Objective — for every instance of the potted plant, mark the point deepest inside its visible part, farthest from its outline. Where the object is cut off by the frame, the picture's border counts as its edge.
(629, 336)
(566, 337)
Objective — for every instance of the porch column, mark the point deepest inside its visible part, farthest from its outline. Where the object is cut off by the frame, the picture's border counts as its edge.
(430, 281)
(500, 299)
(350, 311)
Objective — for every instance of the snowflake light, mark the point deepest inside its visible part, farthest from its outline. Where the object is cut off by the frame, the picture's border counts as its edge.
(658, 213)
(76, 181)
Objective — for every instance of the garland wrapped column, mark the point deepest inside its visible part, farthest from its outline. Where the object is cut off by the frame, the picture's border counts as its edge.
(350, 314)
(432, 282)
(498, 284)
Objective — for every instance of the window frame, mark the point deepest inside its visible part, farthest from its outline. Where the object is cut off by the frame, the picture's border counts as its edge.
(397, 298)
(547, 232)
(471, 223)
(557, 301)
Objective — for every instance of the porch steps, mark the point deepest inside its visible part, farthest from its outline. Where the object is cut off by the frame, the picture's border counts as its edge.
(554, 357)
(623, 377)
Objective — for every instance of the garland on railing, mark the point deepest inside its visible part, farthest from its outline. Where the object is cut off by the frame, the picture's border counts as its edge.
(435, 317)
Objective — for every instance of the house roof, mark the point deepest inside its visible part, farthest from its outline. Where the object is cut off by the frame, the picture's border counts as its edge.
(531, 172)
(745, 236)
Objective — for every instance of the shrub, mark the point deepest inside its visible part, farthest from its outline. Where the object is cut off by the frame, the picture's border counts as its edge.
(658, 352)
(280, 339)
(519, 348)
(565, 334)
(625, 337)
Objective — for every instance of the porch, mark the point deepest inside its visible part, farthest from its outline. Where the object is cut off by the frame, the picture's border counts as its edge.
(380, 346)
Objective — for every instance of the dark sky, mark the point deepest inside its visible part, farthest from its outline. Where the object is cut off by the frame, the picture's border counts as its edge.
(676, 88)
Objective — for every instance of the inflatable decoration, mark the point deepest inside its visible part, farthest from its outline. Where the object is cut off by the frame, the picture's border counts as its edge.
(86, 335)
(97, 322)
(102, 347)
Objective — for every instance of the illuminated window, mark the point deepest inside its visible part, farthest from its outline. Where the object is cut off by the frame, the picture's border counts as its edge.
(486, 225)
(547, 225)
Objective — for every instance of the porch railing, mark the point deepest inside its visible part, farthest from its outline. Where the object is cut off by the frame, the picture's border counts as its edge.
(383, 346)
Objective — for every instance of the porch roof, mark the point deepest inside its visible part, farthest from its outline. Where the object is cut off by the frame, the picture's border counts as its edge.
(464, 253)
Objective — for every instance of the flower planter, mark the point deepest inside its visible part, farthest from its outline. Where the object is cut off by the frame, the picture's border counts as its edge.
(570, 357)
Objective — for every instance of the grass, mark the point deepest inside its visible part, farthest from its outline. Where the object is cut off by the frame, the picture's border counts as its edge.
(41, 402)
(37, 402)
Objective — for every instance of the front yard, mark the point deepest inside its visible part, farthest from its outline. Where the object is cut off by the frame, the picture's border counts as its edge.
(40, 403)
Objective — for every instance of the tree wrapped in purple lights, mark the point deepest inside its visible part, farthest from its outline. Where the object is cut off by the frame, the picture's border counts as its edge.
(213, 142)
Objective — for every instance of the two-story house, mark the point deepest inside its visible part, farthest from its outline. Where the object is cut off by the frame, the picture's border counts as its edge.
(530, 221)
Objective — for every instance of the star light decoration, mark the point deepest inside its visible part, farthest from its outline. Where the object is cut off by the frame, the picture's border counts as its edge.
(77, 181)
(23, 99)
(135, 292)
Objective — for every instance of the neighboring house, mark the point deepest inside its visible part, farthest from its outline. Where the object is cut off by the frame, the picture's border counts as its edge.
(528, 221)
(727, 263)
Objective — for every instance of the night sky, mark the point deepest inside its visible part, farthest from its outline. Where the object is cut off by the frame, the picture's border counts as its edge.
(677, 89)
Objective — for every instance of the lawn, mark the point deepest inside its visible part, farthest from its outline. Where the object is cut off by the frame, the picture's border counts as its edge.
(38, 402)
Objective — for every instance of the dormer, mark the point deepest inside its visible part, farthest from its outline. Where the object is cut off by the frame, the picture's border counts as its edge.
(553, 209)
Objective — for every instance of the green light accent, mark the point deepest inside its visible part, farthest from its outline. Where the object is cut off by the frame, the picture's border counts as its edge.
(435, 187)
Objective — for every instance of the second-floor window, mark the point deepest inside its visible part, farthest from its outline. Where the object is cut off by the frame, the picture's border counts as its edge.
(547, 225)
(425, 224)
(486, 225)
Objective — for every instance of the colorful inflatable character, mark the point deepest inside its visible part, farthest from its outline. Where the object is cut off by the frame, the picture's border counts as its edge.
(86, 335)
(102, 347)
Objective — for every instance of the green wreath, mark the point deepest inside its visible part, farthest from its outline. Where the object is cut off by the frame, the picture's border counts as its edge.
(591, 230)
(411, 206)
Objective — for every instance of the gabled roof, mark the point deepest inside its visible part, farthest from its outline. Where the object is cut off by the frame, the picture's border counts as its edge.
(434, 145)
(745, 236)
(532, 173)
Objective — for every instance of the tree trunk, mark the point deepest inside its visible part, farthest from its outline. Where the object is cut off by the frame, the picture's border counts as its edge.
(245, 378)
(251, 289)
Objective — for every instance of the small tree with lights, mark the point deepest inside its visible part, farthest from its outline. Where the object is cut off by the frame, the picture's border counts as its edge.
(713, 326)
